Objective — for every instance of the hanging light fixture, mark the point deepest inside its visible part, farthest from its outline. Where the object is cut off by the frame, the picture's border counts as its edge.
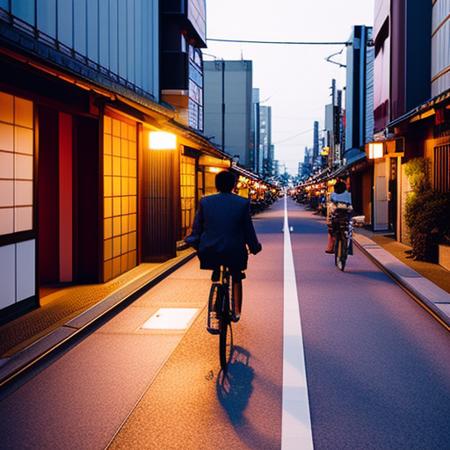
(375, 150)
(162, 140)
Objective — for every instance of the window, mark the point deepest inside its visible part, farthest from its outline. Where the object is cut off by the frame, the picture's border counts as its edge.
(187, 184)
(16, 164)
(441, 179)
(120, 197)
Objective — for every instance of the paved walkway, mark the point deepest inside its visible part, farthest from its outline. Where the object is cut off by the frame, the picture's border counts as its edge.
(434, 272)
(377, 365)
(66, 312)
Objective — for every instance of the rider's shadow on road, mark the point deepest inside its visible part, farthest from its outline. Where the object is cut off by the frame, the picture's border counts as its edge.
(235, 387)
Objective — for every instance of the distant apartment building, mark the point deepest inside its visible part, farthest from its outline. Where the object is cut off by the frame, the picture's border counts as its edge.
(228, 107)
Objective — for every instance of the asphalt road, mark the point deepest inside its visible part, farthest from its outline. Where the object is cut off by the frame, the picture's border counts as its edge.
(377, 365)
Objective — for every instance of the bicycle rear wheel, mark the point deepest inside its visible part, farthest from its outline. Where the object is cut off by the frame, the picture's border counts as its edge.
(340, 252)
(225, 344)
(226, 332)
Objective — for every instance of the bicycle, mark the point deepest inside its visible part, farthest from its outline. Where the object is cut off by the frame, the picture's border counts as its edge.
(343, 235)
(220, 308)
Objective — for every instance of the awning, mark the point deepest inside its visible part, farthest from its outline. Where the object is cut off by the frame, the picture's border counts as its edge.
(206, 160)
(422, 109)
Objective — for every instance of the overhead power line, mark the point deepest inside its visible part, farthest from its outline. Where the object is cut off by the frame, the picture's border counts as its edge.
(245, 41)
(292, 137)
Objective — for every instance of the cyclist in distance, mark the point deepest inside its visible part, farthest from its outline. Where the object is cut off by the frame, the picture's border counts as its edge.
(221, 233)
(340, 204)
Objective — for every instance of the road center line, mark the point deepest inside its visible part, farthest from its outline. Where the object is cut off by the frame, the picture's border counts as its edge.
(296, 430)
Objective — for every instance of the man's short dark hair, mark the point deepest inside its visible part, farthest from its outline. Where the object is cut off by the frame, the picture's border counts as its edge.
(225, 181)
(340, 187)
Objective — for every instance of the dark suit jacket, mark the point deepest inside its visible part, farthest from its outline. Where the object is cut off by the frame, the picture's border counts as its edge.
(222, 229)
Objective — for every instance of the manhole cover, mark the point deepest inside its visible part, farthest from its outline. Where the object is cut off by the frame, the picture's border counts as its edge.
(170, 319)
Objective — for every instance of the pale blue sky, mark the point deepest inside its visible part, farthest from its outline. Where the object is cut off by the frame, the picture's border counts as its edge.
(294, 79)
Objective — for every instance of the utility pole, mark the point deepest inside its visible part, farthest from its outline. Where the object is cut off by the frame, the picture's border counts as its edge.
(223, 105)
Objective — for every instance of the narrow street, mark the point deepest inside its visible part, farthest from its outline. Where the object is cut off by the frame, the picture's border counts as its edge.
(377, 365)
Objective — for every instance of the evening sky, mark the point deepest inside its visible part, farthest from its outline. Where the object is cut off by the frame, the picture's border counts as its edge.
(294, 80)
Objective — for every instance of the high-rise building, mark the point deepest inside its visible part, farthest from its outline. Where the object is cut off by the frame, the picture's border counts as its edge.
(359, 93)
(256, 154)
(183, 34)
(307, 165)
(228, 107)
(316, 140)
(266, 139)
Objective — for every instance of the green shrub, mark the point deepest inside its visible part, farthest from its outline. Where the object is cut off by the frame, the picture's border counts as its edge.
(417, 171)
(427, 212)
(427, 216)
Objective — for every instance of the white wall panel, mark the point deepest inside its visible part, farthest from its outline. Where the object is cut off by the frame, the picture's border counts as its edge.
(23, 138)
(23, 218)
(6, 107)
(6, 220)
(23, 167)
(7, 276)
(6, 137)
(6, 165)
(6, 193)
(25, 265)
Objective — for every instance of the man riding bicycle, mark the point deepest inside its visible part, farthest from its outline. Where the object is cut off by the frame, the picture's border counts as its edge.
(221, 233)
(339, 209)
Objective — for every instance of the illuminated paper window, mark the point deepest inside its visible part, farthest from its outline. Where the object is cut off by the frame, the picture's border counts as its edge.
(120, 197)
(16, 164)
(187, 187)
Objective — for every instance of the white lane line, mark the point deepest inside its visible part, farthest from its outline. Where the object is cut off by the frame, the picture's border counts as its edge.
(296, 430)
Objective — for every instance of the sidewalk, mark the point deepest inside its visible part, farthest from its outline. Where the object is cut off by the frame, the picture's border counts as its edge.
(63, 314)
(428, 284)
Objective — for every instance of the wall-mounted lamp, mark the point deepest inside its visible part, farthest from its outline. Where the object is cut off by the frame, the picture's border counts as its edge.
(214, 169)
(375, 150)
(162, 140)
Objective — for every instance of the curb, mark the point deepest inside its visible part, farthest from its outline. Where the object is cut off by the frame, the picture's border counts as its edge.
(429, 296)
(43, 347)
